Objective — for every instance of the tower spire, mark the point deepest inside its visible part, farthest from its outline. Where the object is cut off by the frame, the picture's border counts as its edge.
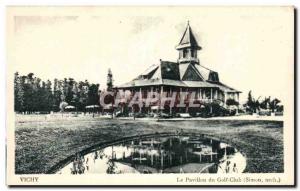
(188, 46)
(188, 39)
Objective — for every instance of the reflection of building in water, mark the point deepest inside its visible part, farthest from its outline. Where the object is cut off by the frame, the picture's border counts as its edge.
(172, 154)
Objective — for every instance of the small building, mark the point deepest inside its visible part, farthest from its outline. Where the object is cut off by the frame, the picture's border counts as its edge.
(186, 75)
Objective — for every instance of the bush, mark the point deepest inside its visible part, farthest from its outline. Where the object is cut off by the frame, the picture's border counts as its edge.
(214, 109)
(232, 102)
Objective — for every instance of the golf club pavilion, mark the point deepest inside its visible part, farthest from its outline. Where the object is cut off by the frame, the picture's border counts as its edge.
(186, 75)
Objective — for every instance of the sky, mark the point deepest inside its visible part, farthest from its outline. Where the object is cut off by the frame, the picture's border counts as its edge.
(251, 48)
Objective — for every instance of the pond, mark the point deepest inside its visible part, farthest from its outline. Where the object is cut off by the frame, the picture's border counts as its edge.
(160, 154)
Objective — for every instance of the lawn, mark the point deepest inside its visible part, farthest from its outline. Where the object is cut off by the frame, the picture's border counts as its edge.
(42, 144)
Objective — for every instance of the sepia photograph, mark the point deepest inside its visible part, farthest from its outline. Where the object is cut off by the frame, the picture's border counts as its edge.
(161, 95)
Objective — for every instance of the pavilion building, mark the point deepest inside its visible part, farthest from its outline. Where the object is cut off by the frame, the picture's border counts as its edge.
(185, 75)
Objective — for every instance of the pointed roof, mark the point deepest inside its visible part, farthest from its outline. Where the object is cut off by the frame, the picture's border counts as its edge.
(188, 39)
(191, 74)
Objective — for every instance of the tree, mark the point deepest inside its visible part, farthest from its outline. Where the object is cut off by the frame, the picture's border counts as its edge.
(83, 95)
(249, 104)
(252, 104)
(75, 99)
(64, 89)
(16, 84)
(18, 93)
(29, 97)
(69, 90)
(256, 105)
(93, 97)
(38, 95)
(109, 80)
(49, 96)
(41, 104)
(35, 95)
(265, 104)
(56, 94)
(280, 108)
(274, 104)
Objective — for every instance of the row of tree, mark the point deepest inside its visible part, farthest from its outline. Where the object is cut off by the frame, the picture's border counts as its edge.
(34, 95)
(254, 105)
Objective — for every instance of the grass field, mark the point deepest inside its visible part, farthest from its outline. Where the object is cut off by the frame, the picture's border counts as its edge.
(41, 144)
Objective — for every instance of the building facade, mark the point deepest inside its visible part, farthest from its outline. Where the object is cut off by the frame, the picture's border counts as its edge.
(185, 77)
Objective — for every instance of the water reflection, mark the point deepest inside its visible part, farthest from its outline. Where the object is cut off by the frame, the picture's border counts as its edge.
(173, 154)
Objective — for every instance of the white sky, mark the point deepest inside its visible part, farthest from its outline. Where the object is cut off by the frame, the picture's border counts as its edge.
(251, 48)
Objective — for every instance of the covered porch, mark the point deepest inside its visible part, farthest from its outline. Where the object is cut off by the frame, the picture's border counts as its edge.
(182, 95)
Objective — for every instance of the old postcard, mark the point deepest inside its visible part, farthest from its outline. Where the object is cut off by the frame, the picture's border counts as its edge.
(186, 96)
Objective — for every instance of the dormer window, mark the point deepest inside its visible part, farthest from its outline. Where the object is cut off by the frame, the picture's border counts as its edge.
(213, 76)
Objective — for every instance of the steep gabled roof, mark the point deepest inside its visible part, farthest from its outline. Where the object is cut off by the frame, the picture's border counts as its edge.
(191, 74)
(207, 74)
(182, 69)
(188, 39)
(149, 70)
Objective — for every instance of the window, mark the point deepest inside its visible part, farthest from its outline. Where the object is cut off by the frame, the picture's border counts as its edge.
(208, 94)
(193, 53)
(184, 53)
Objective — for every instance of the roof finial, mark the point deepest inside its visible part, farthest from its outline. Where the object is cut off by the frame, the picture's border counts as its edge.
(188, 39)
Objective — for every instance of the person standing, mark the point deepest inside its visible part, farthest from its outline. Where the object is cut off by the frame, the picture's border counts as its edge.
(235, 170)
(227, 169)
(87, 164)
